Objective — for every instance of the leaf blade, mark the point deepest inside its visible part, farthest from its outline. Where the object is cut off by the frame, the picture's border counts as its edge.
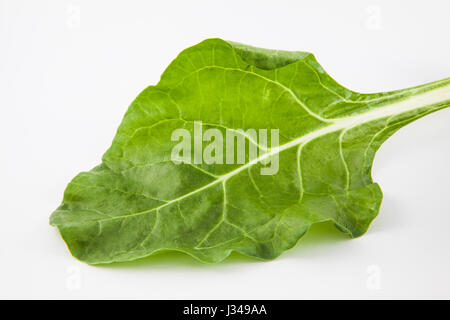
(121, 211)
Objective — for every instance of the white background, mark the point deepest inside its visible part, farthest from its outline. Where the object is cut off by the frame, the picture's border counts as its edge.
(69, 69)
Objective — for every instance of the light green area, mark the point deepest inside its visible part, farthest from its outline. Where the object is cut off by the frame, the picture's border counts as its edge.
(138, 202)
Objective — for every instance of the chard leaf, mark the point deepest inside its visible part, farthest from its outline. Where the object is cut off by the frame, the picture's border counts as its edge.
(138, 201)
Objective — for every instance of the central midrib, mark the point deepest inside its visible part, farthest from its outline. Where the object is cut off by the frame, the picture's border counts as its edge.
(418, 101)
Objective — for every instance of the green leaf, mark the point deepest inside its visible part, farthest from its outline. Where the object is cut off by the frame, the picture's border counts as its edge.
(138, 201)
